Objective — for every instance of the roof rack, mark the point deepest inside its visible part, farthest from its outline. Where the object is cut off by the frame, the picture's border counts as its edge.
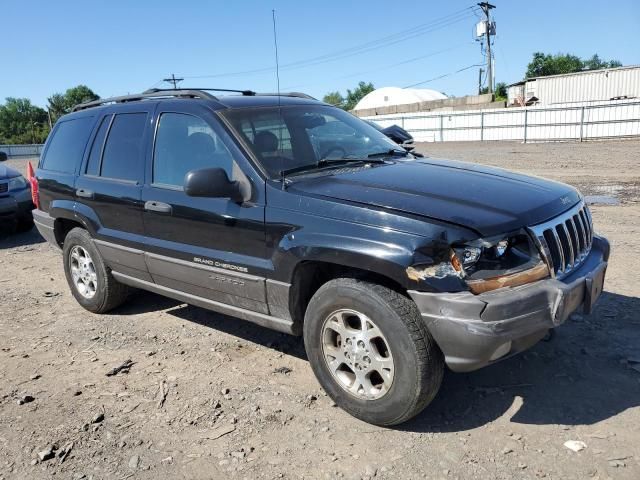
(180, 93)
(287, 94)
(155, 93)
(243, 92)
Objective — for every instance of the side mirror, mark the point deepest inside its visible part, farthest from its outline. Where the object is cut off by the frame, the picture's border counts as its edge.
(214, 183)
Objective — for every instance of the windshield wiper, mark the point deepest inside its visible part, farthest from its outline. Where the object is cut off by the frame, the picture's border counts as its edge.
(327, 162)
(394, 152)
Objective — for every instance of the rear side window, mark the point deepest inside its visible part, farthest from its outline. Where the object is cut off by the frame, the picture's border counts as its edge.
(123, 152)
(67, 145)
(93, 166)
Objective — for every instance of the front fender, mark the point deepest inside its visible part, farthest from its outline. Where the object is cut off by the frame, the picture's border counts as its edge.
(385, 258)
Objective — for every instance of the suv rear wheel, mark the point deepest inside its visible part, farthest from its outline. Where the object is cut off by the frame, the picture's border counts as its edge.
(371, 351)
(89, 279)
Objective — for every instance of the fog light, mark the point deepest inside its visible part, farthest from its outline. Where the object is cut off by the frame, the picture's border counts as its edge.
(501, 351)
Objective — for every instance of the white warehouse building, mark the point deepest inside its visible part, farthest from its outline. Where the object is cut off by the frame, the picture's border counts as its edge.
(588, 86)
(391, 96)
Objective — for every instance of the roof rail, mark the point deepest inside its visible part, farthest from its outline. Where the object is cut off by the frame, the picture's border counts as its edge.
(243, 92)
(155, 93)
(287, 94)
(180, 93)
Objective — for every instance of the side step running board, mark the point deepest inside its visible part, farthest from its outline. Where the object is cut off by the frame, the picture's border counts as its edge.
(285, 326)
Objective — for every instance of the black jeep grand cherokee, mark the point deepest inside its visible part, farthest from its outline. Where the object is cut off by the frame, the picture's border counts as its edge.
(300, 217)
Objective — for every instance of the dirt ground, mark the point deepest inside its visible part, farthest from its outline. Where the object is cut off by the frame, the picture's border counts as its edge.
(241, 401)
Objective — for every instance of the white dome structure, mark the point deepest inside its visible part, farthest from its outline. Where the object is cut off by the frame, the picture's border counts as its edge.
(387, 96)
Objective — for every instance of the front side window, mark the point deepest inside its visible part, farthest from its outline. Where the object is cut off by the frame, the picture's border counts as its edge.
(123, 157)
(184, 143)
(302, 135)
(67, 144)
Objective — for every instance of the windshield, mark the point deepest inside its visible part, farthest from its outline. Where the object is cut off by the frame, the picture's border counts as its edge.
(306, 135)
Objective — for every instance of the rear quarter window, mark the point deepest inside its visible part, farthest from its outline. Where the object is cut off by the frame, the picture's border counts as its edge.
(67, 144)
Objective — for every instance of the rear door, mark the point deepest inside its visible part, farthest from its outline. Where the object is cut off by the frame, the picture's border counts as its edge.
(61, 161)
(109, 189)
(210, 247)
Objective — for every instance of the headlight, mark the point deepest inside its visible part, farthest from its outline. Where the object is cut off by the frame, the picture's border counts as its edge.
(509, 260)
(17, 183)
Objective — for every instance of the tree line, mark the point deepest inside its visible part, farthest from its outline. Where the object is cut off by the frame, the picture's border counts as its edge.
(21, 122)
(541, 65)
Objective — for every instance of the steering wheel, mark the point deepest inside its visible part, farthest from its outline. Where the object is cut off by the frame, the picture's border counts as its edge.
(334, 149)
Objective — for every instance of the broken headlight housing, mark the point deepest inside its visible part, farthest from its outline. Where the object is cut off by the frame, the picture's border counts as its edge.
(501, 261)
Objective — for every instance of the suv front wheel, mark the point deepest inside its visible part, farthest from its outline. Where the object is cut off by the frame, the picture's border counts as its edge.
(89, 279)
(371, 351)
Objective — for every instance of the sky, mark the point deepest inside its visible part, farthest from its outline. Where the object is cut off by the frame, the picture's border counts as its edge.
(117, 47)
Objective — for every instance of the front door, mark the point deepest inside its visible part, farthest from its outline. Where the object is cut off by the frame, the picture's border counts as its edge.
(209, 247)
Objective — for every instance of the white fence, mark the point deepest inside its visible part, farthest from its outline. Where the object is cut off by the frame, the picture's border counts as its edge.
(528, 124)
(22, 150)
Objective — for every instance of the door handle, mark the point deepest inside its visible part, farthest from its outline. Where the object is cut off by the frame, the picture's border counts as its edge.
(159, 207)
(81, 192)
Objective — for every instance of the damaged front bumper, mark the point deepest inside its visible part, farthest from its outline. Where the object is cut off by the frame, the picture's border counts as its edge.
(475, 330)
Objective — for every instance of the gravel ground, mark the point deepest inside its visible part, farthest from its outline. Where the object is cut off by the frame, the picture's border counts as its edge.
(209, 396)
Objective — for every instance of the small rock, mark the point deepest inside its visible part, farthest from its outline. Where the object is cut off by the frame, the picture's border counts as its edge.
(225, 391)
(46, 454)
(506, 450)
(167, 460)
(617, 463)
(282, 370)
(575, 445)
(134, 462)
(77, 393)
(25, 399)
(370, 471)
(98, 417)
(522, 466)
(35, 376)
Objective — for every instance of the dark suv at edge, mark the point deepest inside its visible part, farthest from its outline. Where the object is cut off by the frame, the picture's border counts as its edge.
(251, 205)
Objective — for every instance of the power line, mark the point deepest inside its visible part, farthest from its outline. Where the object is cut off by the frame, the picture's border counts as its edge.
(386, 67)
(386, 41)
(445, 75)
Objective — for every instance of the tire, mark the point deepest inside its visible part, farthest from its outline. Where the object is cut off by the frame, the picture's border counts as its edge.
(417, 363)
(105, 293)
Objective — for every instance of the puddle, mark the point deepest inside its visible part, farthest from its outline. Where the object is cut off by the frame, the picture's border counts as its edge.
(601, 200)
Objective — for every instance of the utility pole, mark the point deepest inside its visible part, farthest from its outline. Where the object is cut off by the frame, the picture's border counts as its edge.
(173, 80)
(486, 8)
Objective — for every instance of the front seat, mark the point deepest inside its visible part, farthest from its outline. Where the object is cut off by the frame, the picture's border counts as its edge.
(266, 142)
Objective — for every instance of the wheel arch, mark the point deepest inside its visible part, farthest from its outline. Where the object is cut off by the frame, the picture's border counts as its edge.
(309, 275)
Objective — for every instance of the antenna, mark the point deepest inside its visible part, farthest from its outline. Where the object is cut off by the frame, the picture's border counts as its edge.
(275, 44)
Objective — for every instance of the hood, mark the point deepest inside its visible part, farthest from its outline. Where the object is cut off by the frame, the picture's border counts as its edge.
(8, 172)
(489, 200)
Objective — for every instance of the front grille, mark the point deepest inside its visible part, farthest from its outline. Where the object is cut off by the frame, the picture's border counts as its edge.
(4, 187)
(565, 241)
